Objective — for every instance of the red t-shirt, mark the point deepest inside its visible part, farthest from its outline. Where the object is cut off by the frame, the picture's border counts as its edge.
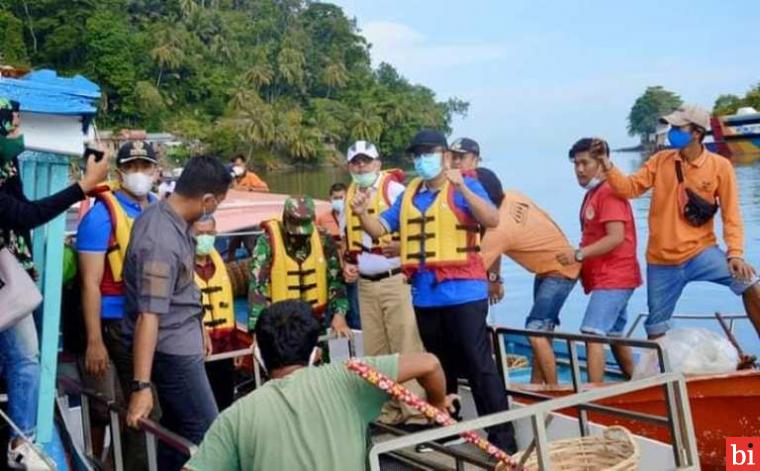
(618, 269)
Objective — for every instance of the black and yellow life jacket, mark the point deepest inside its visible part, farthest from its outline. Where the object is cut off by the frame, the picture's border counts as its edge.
(380, 202)
(216, 297)
(291, 279)
(443, 238)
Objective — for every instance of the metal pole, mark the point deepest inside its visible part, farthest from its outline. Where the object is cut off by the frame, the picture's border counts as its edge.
(542, 442)
(576, 369)
(86, 430)
(150, 444)
(118, 456)
(686, 425)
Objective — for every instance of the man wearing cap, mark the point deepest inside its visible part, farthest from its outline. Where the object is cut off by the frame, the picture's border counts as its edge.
(688, 184)
(465, 155)
(102, 240)
(439, 218)
(385, 299)
(294, 260)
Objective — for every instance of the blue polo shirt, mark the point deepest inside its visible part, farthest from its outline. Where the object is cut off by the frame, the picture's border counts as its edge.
(426, 290)
(92, 236)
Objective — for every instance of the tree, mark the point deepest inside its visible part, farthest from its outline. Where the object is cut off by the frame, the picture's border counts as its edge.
(648, 108)
(726, 104)
(12, 48)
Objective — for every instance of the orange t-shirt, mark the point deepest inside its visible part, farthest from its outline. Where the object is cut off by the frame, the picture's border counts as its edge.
(527, 235)
(250, 181)
(672, 240)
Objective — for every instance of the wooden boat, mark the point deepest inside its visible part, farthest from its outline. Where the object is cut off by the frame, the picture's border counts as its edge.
(723, 405)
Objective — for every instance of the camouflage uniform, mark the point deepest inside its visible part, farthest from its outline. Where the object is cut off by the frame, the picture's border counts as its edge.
(298, 219)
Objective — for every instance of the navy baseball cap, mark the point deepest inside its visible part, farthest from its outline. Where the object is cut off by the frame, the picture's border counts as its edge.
(464, 145)
(427, 138)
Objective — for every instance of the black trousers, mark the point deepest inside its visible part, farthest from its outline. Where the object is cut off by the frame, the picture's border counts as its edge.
(457, 335)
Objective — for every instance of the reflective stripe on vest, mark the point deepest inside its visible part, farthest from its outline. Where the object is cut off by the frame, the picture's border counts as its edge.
(442, 237)
(290, 279)
(216, 296)
(379, 203)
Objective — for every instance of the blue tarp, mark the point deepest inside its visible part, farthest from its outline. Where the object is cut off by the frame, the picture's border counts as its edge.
(43, 91)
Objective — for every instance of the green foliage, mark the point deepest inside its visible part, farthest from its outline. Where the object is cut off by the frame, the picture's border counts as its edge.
(12, 48)
(648, 108)
(283, 81)
(726, 104)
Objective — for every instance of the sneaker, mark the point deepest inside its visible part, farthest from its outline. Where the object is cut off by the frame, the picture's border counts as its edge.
(26, 456)
(448, 441)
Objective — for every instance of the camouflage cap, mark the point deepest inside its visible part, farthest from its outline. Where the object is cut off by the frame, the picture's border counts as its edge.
(298, 215)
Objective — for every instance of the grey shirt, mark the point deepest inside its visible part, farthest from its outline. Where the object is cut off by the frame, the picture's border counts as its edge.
(158, 278)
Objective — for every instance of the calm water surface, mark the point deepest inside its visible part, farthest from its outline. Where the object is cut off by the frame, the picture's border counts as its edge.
(551, 183)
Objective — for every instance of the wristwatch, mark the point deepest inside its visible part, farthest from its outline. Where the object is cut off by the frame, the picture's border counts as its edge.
(579, 255)
(494, 277)
(136, 385)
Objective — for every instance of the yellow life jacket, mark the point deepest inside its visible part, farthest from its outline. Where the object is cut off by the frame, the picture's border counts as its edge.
(290, 279)
(380, 202)
(444, 238)
(121, 227)
(216, 296)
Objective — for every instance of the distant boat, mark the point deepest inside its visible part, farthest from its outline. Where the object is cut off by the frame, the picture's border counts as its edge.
(737, 136)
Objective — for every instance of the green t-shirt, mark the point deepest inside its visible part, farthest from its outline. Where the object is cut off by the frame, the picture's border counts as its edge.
(313, 419)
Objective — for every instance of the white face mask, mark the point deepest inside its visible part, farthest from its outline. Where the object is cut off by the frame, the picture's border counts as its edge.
(593, 183)
(238, 170)
(138, 183)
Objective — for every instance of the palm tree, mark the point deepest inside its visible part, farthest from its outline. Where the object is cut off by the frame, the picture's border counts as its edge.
(259, 75)
(335, 76)
(168, 54)
(290, 66)
(366, 126)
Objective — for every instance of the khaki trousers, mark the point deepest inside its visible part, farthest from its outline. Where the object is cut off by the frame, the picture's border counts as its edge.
(390, 326)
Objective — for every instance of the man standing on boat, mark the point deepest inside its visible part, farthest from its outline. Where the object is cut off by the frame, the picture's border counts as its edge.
(531, 238)
(610, 271)
(465, 156)
(295, 260)
(218, 310)
(689, 184)
(385, 299)
(163, 313)
(438, 217)
(306, 418)
(246, 180)
(102, 239)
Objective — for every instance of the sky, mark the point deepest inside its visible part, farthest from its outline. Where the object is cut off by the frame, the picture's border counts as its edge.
(540, 74)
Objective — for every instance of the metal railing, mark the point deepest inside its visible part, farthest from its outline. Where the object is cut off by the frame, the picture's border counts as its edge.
(35, 448)
(731, 318)
(671, 395)
(684, 446)
(154, 433)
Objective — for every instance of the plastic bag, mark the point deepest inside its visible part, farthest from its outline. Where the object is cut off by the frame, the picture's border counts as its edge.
(691, 352)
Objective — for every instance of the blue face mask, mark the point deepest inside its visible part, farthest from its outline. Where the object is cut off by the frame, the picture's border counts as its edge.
(428, 166)
(337, 205)
(679, 139)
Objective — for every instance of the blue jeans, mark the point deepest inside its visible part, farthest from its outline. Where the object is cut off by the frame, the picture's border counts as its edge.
(20, 363)
(549, 294)
(666, 282)
(352, 318)
(187, 402)
(606, 312)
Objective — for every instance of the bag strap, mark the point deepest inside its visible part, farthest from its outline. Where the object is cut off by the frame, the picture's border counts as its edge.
(679, 171)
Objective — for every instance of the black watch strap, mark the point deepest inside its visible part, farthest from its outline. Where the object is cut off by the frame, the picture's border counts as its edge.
(135, 386)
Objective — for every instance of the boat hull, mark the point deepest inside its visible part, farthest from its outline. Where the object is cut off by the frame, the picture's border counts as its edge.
(722, 406)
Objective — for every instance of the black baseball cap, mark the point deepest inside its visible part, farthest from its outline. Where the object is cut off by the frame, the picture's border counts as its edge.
(136, 150)
(464, 145)
(427, 138)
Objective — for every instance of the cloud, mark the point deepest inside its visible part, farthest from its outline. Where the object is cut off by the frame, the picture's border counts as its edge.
(414, 53)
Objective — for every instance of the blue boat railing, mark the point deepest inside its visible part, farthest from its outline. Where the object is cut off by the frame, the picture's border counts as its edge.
(678, 429)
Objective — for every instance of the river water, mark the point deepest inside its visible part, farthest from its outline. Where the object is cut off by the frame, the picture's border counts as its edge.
(550, 181)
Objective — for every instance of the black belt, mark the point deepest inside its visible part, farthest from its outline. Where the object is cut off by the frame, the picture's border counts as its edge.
(381, 276)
